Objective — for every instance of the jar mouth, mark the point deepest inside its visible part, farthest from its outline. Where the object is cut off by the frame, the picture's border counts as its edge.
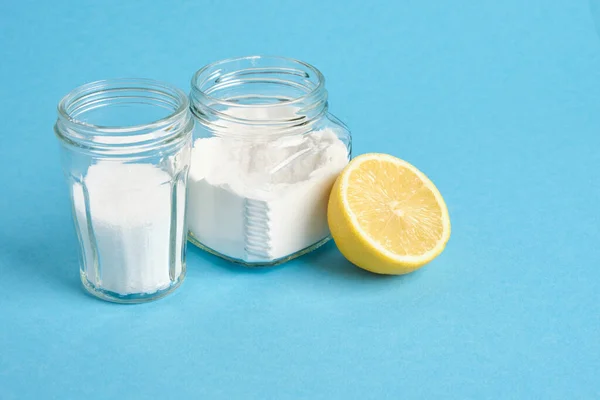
(121, 113)
(103, 93)
(243, 82)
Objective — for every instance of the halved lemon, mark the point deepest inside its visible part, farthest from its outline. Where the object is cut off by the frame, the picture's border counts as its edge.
(386, 216)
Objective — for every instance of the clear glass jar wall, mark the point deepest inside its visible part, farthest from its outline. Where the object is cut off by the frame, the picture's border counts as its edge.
(126, 147)
(266, 154)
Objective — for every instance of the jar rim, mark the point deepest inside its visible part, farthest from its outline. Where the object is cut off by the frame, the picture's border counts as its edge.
(131, 138)
(292, 61)
(65, 115)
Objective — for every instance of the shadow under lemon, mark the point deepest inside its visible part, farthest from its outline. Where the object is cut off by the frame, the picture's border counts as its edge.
(328, 260)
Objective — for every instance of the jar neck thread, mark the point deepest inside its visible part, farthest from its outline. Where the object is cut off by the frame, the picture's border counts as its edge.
(98, 116)
(271, 95)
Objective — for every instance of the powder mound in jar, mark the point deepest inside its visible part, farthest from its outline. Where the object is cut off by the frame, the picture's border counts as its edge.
(261, 201)
(123, 217)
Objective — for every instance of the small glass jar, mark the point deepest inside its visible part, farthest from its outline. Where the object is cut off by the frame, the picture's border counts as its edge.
(125, 146)
(266, 154)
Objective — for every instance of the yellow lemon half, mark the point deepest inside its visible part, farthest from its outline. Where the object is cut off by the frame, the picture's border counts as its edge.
(386, 216)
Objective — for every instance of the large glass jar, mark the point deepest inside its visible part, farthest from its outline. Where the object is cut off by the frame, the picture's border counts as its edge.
(125, 147)
(266, 154)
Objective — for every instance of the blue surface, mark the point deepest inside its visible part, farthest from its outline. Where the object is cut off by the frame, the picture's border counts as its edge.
(497, 101)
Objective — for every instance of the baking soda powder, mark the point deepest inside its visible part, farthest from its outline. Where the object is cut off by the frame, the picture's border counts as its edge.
(262, 201)
(127, 228)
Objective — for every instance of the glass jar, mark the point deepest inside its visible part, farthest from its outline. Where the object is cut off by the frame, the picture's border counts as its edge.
(266, 154)
(125, 147)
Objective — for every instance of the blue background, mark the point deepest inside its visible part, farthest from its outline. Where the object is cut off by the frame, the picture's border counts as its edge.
(497, 101)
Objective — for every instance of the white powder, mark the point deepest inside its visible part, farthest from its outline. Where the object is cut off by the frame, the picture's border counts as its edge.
(126, 227)
(261, 201)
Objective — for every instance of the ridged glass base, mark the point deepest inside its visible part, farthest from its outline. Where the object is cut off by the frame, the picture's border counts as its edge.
(266, 263)
(130, 298)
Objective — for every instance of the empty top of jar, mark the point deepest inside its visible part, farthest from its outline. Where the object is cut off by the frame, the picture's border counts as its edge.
(259, 89)
(122, 114)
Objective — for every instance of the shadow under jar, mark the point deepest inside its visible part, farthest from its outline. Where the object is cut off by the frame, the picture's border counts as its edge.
(126, 147)
(266, 153)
